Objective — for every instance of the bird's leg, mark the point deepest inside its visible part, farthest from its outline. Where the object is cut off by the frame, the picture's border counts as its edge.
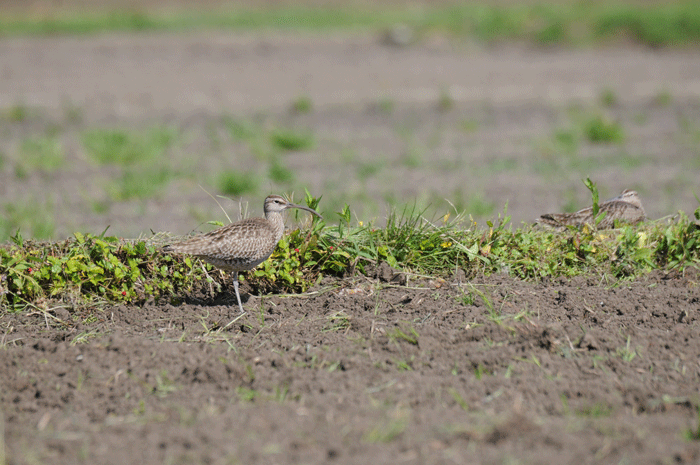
(238, 296)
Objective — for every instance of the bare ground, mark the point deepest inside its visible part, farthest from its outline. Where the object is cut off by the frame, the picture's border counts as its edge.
(493, 370)
(363, 370)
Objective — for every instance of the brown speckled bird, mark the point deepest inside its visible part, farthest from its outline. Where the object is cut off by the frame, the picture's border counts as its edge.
(242, 245)
(625, 208)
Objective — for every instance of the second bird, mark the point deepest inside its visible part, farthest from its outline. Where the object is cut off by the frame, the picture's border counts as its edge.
(625, 208)
(243, 245)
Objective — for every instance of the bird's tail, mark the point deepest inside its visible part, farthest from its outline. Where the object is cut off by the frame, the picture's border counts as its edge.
(555, 220)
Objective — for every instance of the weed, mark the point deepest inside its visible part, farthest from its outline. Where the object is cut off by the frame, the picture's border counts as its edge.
(626, 353)
(338, 321)
(469, 125)
(386, 105)
(281, 394)
(386, 431)
(90, 268)
(640, 118)
(292, 140)
(679, 24)
(599, 129)
(689, 434)
(164, 385)
(459, 399)
(591, 186)
(596, 410)
(279, 173)
(404, 365)
(553, 31)
(72, 113)
(663, 98)
(44, 153)
(246, 394)
(566, 140)
(412, 156)
(658, 24)
(477, 206)
(32, 216)
(84, 337)
(235, 183)
(445, 101)
(410, 336)
(241, 129)
(302, 104)
(17, 113)
(121, 147)
(369, 169)
(501, 165)
(480, 371)
(466, 298)
(140, 183)
(608, 98)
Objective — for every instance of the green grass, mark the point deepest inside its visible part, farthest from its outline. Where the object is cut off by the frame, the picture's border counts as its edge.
(16, 113)
(303, 104)
(123, 147)
(241, 128)
(292, 139)
(99, 268)
(608, 98)
(43, 153)
(660, 24)
(279, 173)
(140, 183)
(369, 169)
(599, 129)
(140, 155)
(33, 217)
(236, 183)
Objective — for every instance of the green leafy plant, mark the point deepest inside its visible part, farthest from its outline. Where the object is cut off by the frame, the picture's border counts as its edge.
(291, 139)
(303, 104)
(97, 268)
(44, 153)
(237, 183)
(599, 129)
(122, 147)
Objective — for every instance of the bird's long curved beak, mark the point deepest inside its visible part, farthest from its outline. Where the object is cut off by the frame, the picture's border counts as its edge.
(301, 207)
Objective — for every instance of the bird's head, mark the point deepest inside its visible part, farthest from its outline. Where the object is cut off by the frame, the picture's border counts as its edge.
(277, 204)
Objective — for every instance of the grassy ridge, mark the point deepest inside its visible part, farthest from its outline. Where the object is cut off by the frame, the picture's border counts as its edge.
(89, 269)
(663, 24)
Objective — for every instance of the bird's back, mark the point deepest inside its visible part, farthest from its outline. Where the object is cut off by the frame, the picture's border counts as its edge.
(237, 247)
(627, 207)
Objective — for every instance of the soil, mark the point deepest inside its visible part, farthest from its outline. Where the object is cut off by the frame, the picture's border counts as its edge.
(382, 369)
(366, 370)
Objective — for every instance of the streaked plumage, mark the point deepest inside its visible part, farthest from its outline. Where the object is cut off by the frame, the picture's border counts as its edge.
(242, 245)
(625, 208)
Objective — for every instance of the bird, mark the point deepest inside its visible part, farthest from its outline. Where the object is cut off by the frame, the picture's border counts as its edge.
(625, 208)
(243, 245)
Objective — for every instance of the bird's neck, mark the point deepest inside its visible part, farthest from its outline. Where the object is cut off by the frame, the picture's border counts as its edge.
(277, 222)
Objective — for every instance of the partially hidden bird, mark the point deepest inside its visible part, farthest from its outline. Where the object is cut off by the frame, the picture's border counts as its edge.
(243, 245)
(625, 208)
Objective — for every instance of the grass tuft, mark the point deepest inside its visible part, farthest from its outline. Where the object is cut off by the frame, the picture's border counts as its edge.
(599, 129)
(301, 105)
(121, 147)
(236, 183)
(42, 153)
(291, 139)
